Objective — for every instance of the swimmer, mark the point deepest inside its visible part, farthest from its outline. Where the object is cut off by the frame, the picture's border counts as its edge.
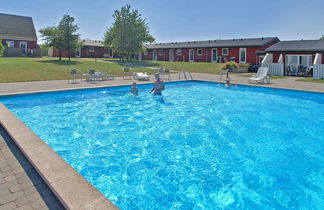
(134, 89)
(158, 85)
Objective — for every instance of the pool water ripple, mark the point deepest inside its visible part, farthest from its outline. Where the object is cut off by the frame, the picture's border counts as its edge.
(199, 146)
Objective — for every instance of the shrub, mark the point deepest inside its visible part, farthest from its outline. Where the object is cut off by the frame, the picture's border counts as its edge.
(230, 65)
(1, 47)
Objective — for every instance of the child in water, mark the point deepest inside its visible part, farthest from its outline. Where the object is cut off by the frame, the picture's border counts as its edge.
(134, 89)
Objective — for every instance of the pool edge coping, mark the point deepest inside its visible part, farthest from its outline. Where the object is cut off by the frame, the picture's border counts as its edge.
(72, 189)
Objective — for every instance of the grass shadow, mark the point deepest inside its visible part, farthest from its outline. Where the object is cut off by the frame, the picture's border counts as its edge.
(60, 62)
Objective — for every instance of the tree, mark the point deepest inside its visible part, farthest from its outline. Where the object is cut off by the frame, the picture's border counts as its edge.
(1, 47)
(128, 34)
(62, 37)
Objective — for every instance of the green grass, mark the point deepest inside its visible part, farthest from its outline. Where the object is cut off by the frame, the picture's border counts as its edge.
(311, 80)
(47, 68)
(271, 76)
(200, 67)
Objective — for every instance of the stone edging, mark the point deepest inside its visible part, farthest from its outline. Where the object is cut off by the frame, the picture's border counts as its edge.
(73, 191)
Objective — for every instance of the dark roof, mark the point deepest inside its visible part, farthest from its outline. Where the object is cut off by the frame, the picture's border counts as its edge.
(17, 27)
(251, 42)
(300, 45)
(92, 43)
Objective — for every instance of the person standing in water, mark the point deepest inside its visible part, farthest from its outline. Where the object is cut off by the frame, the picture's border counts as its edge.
(134, 89)
(158, 85)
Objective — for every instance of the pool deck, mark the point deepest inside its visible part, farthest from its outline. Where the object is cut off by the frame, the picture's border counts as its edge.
(41, 86)
(33, 176)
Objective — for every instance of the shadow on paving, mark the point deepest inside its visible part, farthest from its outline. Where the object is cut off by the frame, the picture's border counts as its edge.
(38, 183)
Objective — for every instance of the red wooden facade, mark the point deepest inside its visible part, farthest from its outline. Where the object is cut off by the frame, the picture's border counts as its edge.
(87, 52)
(252, 53)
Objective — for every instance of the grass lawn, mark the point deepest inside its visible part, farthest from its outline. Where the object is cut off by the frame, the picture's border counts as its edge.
(48, 68)
(311, 80)
(200, 67)
(271, 76)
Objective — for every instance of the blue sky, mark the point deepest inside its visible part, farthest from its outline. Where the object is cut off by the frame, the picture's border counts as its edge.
(184, 20)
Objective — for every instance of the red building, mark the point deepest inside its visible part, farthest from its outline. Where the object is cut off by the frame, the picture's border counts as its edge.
(239, 50)
(18, 35)
(90, 49)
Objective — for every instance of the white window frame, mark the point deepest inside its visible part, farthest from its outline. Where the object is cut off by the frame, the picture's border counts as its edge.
(310, 61)
(75, 53)
(212, 55)
(240, 55)
(223, 51)
(199, 54)
(179, 51)
(193, 55)
(10, 43)
(145, 53)
(92, 49)
(161, 50)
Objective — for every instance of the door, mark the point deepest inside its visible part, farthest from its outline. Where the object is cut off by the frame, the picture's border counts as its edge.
(140, 56)
(171, 55)
(23, 47)
(261, 59)
(154, 58)
(242, 55)
(214, 55)
(78, 53)
(191, 55)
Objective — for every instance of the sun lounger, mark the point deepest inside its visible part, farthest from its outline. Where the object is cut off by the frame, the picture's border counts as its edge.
(261, 76)
(95, 75)
(141, 76)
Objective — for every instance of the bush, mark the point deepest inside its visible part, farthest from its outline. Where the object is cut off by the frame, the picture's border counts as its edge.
(230, 65)
(1, 48)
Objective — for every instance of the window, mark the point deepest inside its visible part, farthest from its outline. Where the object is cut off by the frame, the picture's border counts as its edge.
(199, 52)
(161, 52)
(145, 52)
(178, 51)
(91, 49)
(10, 43)
(225, 51)
(242, 55)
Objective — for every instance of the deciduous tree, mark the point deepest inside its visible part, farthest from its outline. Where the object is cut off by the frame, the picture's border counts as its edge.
(62, 37)
(128, 34)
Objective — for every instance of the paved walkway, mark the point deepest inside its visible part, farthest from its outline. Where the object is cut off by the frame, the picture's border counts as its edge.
(20, 185)
(21, 87)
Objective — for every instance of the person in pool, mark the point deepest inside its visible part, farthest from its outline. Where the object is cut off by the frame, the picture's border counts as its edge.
(158, 85)
(134, 89)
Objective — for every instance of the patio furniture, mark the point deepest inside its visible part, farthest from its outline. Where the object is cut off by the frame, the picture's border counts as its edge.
(74, 75)
(167, 73)
(309, 71)
(261, 76)
(95, 75)
(127, 73)
(141, 76)
(301, 70)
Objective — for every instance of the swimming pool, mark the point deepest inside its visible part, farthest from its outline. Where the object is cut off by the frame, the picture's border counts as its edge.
(200, 146)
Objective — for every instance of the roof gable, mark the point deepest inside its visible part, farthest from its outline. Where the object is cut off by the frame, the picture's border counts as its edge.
(251, 42)
(299, 45)
(17, 27)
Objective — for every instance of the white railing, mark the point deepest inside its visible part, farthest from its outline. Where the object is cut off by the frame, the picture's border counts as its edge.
(318, 71)
(276, 69)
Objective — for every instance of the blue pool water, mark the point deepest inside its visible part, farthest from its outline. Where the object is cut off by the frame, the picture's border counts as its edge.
(200, 146)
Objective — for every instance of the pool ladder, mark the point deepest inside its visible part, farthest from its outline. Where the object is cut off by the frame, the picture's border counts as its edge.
(186, 75)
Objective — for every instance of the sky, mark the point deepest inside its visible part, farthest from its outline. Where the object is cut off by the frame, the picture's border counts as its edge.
(185, 20)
